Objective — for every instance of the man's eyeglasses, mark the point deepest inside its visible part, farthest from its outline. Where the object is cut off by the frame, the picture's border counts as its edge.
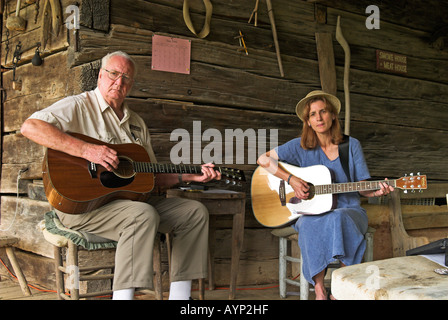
(115, 75)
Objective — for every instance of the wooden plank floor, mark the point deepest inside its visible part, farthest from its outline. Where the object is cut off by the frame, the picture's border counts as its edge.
(10, 290)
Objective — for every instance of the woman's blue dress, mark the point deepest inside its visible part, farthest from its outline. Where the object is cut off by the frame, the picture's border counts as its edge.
(337, 234)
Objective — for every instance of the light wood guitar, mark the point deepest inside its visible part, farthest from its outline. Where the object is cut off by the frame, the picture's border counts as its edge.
(275, 205)
(75, 185)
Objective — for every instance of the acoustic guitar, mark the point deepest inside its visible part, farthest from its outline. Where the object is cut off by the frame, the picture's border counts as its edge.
(74, 185)
(275, 205)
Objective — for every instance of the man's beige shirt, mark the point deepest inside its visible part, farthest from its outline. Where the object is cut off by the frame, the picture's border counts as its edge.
(89, 114)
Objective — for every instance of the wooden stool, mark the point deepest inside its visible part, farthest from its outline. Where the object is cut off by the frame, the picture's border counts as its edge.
(7, 242)
(74, 241)
(220, 203)
(290, 234)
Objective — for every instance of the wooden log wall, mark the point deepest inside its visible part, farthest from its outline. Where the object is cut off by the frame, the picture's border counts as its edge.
(399, 119)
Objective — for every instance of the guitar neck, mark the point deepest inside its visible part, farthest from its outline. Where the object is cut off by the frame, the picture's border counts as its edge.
(352, 186)
(148, 167)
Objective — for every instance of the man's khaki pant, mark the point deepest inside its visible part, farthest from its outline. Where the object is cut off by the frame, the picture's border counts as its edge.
(135, 224)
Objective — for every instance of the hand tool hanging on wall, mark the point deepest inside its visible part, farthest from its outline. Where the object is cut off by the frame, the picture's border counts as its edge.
(340, 38)
(16, 22)
(242, 42)
(274, 34)
(51, 20)
(36, 61)
(16, 84)
(208, 17)
(254, 14)
(274, 31)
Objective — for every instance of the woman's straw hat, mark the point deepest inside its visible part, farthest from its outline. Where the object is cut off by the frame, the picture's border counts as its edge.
(317, 93)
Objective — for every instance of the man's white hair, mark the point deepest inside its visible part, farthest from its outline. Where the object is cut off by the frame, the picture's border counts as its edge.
(107, 57)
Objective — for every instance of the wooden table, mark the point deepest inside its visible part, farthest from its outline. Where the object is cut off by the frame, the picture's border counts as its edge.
(218, 204)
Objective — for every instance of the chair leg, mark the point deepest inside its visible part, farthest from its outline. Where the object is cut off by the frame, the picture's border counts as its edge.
(368, 255)
(283, 246)
(59, 275)
(304, 285)
(157, 265)
(72, 268)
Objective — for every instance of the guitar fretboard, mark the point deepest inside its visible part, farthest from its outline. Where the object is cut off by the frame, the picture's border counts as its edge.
(148, 167)
(351, 186)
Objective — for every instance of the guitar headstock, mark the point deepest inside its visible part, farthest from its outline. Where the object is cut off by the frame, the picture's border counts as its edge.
(412, 182)
(232, 175)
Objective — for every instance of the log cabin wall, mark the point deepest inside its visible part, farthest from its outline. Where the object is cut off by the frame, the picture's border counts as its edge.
(400, 119)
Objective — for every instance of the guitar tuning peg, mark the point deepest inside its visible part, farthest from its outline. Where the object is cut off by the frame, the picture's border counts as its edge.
(405, 191)
(418, 173)
(411, 174)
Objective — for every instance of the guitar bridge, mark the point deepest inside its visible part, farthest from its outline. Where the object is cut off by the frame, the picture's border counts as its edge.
(92, 170)
(282, 193)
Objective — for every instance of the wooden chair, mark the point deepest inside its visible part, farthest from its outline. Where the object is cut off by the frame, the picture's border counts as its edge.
(69, 274)
(290, 234)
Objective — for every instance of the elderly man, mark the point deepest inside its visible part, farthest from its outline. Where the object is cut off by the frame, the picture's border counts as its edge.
(103, 114)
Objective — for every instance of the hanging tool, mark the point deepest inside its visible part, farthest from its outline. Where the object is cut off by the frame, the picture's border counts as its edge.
(340, 38)
(208, 17)
(37, 60)
(16, 22)
(254, 14)
(16, 84)
(51, 20)
(274, 34)
(242, 42)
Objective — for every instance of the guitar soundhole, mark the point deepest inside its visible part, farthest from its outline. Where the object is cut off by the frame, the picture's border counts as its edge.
(312, 191)
(125, 168)
(295, 200)
(120, 177)
(110, 180)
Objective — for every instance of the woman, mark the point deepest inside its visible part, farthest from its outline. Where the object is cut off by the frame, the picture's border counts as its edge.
(339, 233)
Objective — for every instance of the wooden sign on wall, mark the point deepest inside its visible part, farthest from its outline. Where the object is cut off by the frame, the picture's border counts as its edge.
(391, 62)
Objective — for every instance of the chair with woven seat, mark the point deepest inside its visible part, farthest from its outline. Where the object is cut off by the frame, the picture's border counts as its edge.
(74, 241)
(290, 234)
